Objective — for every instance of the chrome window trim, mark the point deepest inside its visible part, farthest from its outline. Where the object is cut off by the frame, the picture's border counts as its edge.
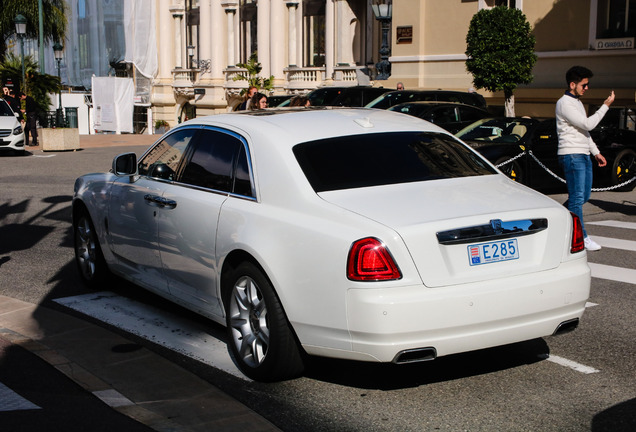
(248, 155)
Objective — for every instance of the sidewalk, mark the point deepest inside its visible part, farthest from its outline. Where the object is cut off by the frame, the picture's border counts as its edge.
(111, 140)
(135, 382)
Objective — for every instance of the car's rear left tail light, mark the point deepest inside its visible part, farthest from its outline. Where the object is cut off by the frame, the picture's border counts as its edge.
(370, 260)
(578, 243)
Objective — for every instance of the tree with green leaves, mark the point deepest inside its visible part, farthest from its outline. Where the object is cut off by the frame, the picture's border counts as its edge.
(54, 22)
(500, 50)
(38, 85)
(252, 77)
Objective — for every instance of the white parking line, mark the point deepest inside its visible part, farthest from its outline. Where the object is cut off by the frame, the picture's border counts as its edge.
(618, 274)
(572, 365)
(615, 224)
(615, 243)
(160, 327)
(113, 398)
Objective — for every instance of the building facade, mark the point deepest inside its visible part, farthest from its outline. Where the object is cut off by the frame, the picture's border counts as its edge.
(305, 44)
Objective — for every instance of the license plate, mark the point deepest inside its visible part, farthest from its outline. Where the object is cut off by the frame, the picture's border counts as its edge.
(486, 253)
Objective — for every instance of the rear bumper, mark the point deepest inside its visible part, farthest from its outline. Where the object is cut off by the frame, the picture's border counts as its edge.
(384, 322)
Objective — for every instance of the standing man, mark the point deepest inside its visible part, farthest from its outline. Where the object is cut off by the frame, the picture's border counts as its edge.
(31, 108)
(7, 94)
(575, 143)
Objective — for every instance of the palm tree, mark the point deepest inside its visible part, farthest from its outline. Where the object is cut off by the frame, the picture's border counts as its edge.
(54, 13)
(38, 85)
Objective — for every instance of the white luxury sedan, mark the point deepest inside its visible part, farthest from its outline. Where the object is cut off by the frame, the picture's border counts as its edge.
(351, 233)
(11, 133)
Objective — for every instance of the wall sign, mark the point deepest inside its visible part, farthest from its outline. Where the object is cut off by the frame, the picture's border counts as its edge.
(618, 43)
(404, 34)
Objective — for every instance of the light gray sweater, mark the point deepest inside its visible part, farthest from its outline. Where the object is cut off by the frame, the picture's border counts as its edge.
(573, 126)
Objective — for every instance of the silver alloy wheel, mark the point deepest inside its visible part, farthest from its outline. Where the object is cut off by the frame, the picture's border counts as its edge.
(85, 249)
(248, 321)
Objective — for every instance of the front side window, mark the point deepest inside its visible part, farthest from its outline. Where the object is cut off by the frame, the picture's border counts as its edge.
(386, 158)
(162, 161)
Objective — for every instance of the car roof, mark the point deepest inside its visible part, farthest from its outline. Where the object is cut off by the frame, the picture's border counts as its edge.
(435, 104)
(289, 126)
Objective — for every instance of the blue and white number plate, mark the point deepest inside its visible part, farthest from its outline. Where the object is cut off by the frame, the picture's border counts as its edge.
(485, 253)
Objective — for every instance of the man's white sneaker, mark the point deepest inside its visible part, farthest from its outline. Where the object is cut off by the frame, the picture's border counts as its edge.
(591, 245)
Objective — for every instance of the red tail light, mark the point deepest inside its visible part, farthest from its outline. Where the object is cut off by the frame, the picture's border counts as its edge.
(370, 260)
(578, 243)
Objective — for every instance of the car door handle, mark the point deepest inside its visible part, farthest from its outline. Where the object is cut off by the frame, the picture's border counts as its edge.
(160, 201)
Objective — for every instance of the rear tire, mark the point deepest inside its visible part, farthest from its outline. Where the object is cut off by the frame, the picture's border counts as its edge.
(260, 337)
(624, 168)
(88, 254)
(513, 169)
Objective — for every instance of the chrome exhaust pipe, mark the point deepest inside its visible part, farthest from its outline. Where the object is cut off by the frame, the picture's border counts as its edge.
(566, 326)
(415, 355)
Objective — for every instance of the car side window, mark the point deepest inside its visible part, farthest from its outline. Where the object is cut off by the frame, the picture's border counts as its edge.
(163, 159)
(213, 161)
(242, 179)
(469, 114)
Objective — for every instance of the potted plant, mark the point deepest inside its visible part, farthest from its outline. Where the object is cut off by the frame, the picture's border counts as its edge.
(161, 127)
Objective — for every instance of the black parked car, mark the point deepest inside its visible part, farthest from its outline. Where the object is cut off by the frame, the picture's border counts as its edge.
(390, 99)
(500, 139)
(451, 116)
(352, 96)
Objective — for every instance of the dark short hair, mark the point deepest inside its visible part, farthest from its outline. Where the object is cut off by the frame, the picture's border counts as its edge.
(576, 74)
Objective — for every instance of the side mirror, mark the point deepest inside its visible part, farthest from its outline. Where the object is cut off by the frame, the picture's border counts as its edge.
(125, 164)
(18, 116)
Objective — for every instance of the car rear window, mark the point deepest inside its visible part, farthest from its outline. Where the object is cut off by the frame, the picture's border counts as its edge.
(386, 158)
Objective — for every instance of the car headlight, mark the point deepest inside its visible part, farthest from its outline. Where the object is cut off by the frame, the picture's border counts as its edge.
(17, 131)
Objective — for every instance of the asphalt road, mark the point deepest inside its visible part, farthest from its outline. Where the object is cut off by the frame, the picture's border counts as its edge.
(581, 381)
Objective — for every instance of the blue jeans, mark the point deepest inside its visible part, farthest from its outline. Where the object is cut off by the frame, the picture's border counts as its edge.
(578, 175)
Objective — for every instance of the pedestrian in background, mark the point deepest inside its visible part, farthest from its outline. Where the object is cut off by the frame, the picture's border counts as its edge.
(31, 110)
(14, 103)
(245, 105)
(400, 86)
(301, 101)
(258, 102)
(576, 144)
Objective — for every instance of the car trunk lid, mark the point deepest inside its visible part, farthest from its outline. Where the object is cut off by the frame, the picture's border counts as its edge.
(464, 229)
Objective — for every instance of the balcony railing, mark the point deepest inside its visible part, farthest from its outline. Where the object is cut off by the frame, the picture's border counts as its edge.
(184, 77)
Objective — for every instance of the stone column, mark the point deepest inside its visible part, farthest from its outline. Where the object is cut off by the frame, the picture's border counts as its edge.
(263, 36)
(177, 14)
(230, 11)
(206, 35)
(292, 8)
(217, 36)
(329, 40)
(277, 39)
(165, 40)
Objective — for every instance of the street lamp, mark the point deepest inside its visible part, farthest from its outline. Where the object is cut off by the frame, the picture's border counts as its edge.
(382, 11)
(20, 29)
(58, 51)
(190, 49)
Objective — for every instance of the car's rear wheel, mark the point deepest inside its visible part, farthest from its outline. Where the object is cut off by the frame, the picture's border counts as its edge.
(88, 254)
(512, 169)
(260, 337)
(624, 169)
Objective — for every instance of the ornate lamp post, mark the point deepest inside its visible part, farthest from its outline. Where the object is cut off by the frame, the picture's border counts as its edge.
(58, 51)
(382, 11)
(20, 29)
